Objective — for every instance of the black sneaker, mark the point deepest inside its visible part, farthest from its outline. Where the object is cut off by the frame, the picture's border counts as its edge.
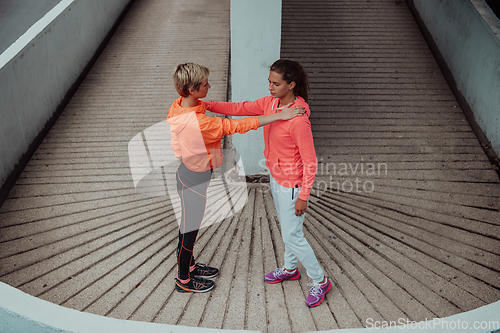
(194, 285)
(202, 270)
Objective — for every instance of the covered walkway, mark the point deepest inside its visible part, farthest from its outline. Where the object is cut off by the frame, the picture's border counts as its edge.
(404, 216)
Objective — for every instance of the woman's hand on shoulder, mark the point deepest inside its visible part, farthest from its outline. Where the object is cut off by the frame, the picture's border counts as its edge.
(292, 112)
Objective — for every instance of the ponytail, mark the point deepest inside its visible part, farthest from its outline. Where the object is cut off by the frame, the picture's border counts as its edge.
(292, 71)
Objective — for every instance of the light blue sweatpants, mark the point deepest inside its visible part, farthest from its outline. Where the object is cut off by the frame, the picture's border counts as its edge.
(296, 246)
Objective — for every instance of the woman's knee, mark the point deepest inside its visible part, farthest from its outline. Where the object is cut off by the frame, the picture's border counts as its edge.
(188, 239)
(293, 237)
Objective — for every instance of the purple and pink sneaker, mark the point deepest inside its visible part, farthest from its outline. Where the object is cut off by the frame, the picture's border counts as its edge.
(280, 274)
(318, 292)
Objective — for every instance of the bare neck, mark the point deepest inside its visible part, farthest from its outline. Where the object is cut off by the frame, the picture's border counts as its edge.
(287, 100)
(189, 102)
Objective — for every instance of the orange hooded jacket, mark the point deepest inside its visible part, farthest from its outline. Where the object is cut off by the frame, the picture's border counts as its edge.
(196, 137)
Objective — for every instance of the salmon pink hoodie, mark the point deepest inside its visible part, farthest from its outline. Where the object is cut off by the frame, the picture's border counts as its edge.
(196, 137)
(289, 146)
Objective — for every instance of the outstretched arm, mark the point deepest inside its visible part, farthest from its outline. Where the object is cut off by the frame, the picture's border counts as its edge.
(215, 128)
(244, 109)
(285, 114)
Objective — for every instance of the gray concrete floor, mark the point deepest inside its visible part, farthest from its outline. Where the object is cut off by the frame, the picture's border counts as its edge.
(422, 241)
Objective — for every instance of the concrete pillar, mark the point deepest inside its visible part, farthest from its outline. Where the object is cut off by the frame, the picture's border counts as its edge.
(255, 45)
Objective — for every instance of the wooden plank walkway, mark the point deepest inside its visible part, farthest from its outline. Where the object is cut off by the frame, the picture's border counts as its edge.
(404, 216)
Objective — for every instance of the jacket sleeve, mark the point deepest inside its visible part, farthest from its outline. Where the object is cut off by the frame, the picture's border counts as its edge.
(303, 139)
(214, 128)
(255, 108)
(175, 144)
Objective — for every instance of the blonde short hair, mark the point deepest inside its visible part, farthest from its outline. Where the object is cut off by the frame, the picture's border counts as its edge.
(189, 75)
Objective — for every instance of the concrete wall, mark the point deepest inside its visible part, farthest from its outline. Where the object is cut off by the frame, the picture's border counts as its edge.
(467, 34)
(37, 70)
(255, 45)
(22, 313)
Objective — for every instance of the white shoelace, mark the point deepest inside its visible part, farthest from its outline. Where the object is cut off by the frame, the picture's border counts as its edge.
(279, 271)
(316, 289)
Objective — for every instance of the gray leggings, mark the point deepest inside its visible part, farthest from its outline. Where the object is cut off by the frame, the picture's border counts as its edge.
(192, 188)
